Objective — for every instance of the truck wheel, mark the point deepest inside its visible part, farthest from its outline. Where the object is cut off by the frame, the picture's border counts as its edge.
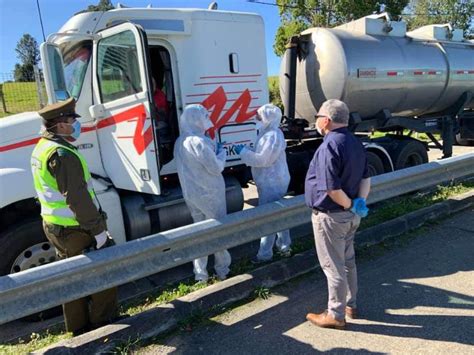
(374, 164)
(24, 247)
(409, 153)
(461, 141)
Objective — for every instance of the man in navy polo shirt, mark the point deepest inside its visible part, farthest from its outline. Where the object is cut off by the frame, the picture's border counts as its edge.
(336, 186)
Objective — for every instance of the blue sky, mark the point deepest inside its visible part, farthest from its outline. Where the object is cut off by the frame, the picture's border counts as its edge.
(21, 16)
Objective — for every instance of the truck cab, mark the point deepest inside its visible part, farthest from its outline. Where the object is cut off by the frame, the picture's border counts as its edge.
(113, 63)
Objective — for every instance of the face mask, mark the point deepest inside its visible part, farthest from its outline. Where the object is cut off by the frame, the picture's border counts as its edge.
(76, 130)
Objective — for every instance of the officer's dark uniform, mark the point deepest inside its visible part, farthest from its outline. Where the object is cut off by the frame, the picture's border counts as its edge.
(97, 309)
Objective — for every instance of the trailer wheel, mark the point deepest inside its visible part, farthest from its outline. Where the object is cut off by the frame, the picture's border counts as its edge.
(374, 164)
(409, 153)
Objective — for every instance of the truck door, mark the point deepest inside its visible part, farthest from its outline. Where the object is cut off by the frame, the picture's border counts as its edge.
(122, 93)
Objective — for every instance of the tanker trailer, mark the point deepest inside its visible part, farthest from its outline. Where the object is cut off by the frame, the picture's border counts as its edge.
(392, 80)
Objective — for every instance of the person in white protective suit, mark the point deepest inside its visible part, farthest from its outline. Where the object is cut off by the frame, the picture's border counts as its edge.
(270, 173)
(200, 163)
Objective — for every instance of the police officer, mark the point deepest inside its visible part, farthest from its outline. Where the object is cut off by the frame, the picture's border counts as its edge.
(336, 186)
(71, 220)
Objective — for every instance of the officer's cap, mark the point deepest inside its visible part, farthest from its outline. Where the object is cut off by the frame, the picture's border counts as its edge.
(59, 109)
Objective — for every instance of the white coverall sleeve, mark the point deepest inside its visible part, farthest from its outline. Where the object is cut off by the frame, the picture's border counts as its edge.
(205, 155)
(266, 154)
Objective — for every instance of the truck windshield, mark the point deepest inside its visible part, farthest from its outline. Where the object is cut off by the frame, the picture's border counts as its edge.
(76, 60)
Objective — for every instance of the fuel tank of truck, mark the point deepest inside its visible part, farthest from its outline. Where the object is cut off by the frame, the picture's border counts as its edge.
(374, 64)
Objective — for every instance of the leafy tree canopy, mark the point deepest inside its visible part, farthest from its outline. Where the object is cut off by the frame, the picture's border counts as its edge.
(458, 13)
(103, 5)
(297, 15)
(27, 50)
(28, 53)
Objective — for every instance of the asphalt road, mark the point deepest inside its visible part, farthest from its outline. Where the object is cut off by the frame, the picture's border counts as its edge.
(415, 299)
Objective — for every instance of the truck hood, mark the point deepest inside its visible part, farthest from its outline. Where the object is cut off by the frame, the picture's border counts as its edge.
(18, 130)
(18, 137)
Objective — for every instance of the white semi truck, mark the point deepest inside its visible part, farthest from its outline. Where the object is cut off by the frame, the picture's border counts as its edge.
(107, 61)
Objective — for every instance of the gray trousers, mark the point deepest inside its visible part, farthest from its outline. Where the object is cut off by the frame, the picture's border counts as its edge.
(334, 238)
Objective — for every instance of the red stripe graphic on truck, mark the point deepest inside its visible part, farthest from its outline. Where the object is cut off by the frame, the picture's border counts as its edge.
(140, 139)
(19, 144)
(216, 102)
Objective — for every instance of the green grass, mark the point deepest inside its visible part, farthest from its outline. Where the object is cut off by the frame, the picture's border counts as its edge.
(127, 347)
(397, 207)
(274, 91)
(262, 292)
(36, 342)
(20, 97)
(171, 292)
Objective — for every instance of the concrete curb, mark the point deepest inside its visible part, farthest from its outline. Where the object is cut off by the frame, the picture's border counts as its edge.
(168, 316)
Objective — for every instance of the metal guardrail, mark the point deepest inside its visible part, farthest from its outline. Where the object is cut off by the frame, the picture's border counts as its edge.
(43, 287)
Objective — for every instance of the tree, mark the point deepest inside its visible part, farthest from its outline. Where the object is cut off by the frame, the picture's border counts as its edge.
(103, 5)
(274, 91)
(298, 15)
(28, 53)
(24, 72)
(458, 13)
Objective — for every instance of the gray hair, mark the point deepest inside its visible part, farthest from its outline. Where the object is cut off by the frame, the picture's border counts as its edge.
(337, 111)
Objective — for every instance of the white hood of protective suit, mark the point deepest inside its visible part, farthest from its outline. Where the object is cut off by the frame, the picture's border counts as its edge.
(194, 120)
(270, 115)
(268, 160)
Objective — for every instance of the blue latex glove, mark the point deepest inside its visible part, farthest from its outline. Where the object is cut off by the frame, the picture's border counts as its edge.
(359, 207)
(238, 148)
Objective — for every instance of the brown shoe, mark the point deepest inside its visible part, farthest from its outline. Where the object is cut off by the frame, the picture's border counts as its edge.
(351, 312)
(325, 320)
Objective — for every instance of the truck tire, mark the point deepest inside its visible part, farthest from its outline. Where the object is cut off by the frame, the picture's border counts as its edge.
(409, 153)
(461, 141)
(374, 164)
(24, 247)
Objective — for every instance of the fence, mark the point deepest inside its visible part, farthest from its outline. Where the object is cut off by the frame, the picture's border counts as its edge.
(49, 285)
(17, 97)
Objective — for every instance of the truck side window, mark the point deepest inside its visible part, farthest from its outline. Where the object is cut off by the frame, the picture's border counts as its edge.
(76, 61)
(118, 71)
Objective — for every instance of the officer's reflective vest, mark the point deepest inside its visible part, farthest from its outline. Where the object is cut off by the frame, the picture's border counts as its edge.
(53, 204)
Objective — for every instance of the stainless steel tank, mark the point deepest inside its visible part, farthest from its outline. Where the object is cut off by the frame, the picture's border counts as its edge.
(410, 74)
